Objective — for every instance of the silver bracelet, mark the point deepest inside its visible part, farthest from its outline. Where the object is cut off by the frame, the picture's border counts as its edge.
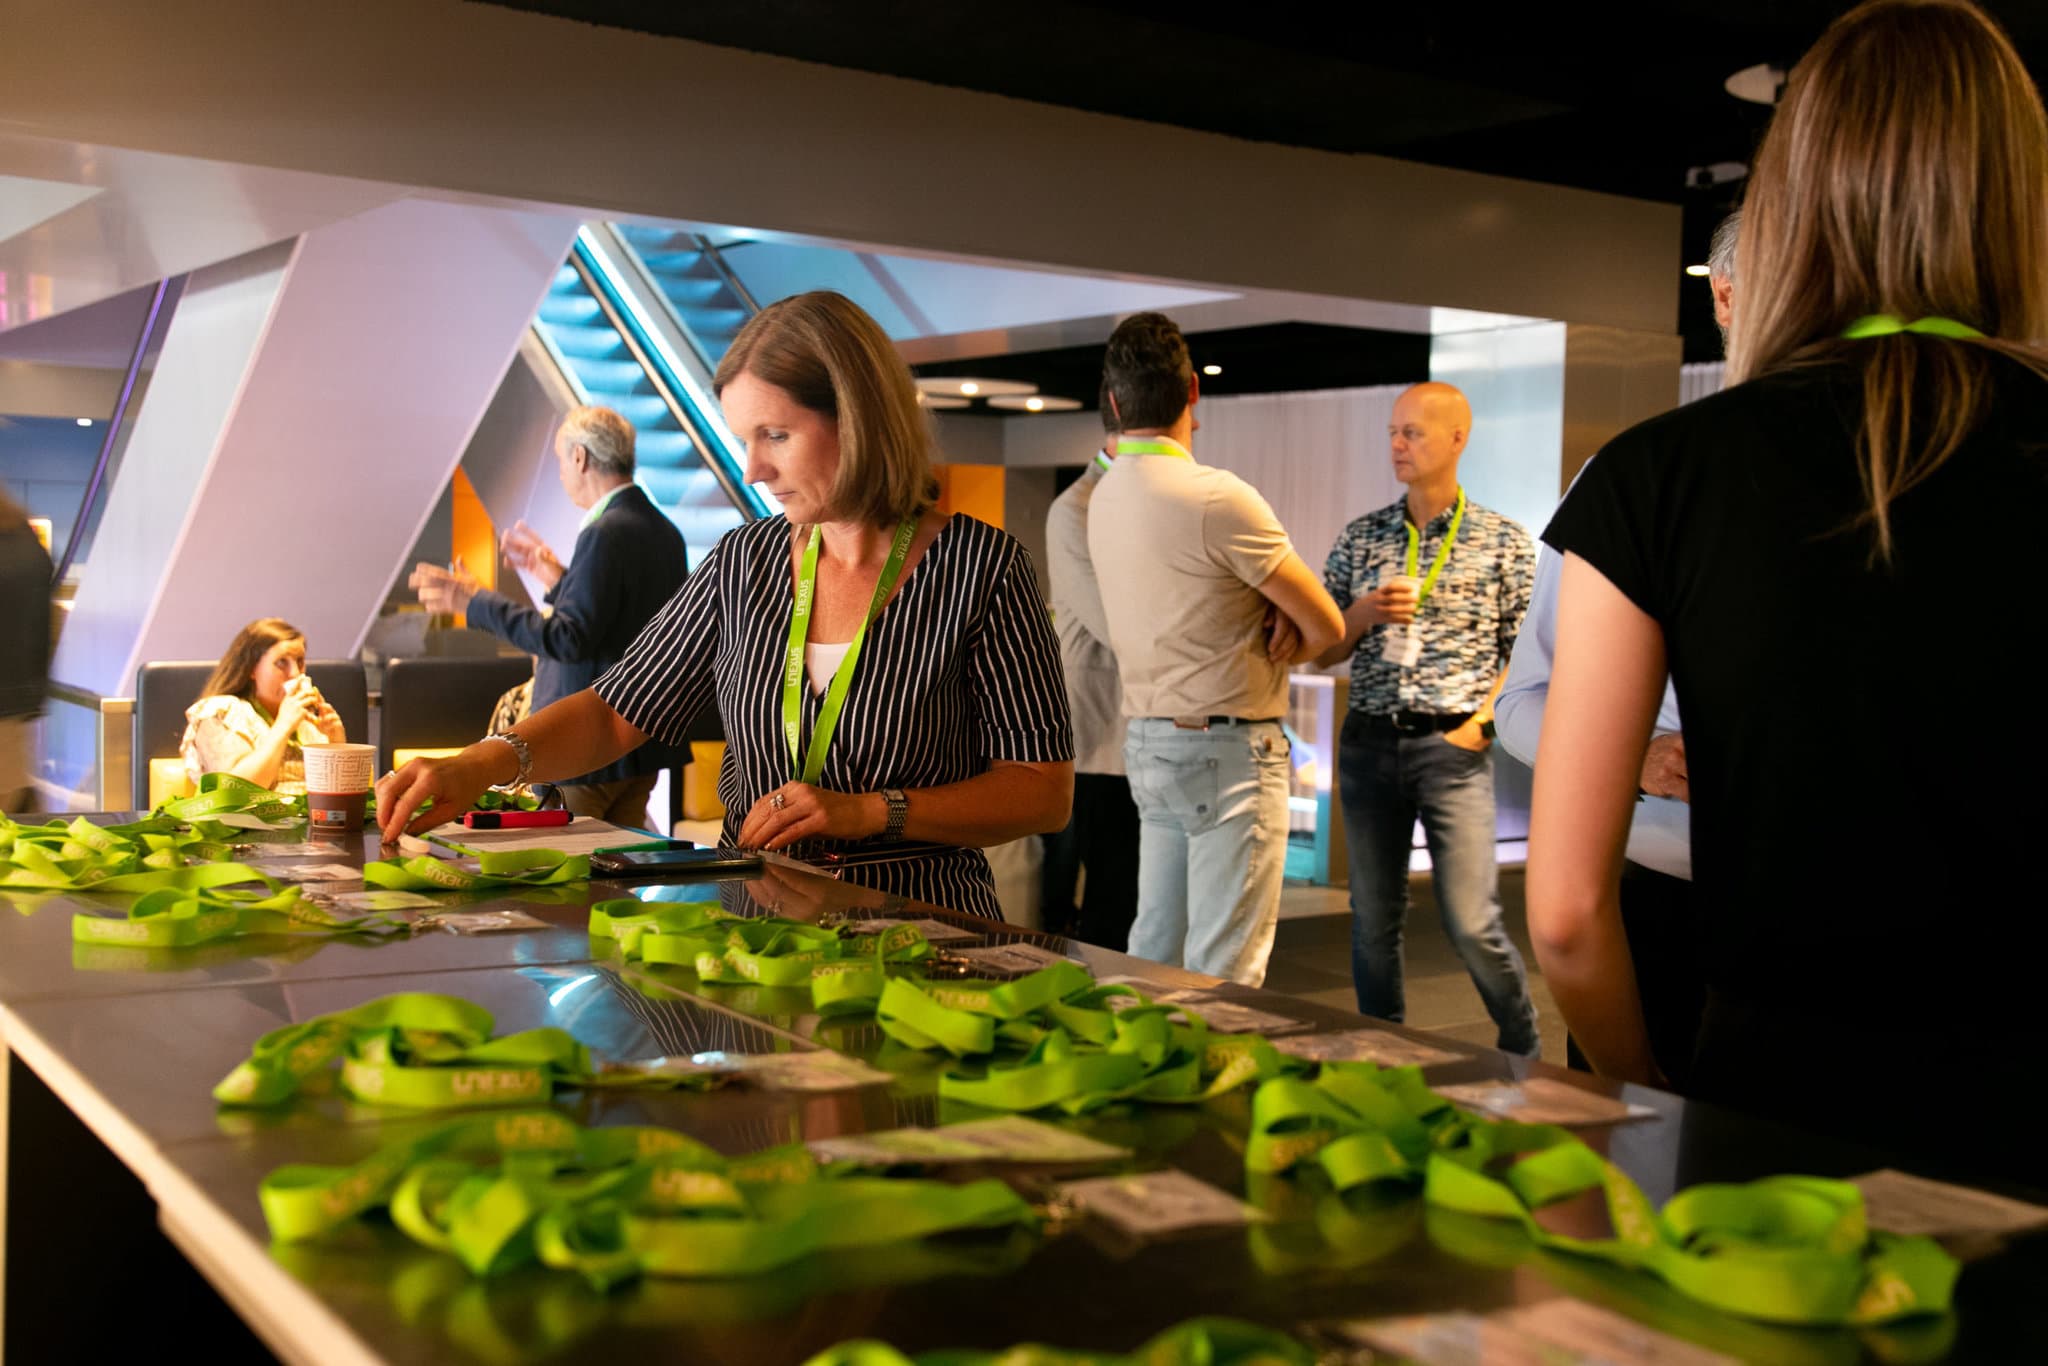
(520, 749)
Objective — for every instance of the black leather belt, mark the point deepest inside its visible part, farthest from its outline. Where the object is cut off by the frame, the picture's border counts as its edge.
(1205, 722)
(1413, 722)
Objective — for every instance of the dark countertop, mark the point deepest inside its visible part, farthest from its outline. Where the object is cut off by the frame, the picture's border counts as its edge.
(141, 1036)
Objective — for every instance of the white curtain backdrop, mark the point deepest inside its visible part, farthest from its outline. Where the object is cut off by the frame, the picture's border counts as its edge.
(1320, 458)
(1700, 379)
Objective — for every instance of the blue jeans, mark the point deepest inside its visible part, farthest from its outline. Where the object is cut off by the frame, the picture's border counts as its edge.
(1386, 780)
(1212, 843)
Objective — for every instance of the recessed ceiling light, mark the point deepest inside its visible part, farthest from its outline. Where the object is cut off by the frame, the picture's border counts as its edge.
(1212, 369)
(1696, 271)
(1034, 403)
(972, 386)
(85, 422)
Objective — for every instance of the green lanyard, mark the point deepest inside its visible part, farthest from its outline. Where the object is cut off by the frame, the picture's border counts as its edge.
(1785, 1249)
(1145, 445)
(423, 1051)
(495, 868)
(1102, 459)
(1890, 324)
(1443, 552)
(793, 662)
(503, 1191)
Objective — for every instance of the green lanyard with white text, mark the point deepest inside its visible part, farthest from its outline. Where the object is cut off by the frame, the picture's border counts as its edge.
(1443, 552)
(813, 763)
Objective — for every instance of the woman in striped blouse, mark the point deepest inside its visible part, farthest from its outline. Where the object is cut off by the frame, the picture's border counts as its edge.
(884, 670)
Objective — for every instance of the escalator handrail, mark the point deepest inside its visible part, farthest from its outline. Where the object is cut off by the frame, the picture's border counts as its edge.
(726, 274)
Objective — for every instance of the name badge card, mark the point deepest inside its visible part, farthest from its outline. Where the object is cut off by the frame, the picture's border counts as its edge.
(815, 1071)
(1401, 646)
(1235, 1017)
(312, 872)
(1367, 1045)
(1149, 1204)
(1556, 1332)
(1010, 1138)
(934, 931)
(1018, 957)
(1541, 1100)
(1898, 1202)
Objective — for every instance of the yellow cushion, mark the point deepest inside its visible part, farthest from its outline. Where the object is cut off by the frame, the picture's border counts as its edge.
(700, 781)
(401, 757)
(168, 781)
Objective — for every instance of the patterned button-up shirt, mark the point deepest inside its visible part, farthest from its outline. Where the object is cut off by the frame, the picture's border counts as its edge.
(1467, 624)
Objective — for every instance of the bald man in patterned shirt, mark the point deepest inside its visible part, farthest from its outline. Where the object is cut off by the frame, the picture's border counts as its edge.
(1433, 590)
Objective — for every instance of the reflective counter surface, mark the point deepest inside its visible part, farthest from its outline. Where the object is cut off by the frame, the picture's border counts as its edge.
(133, 1040)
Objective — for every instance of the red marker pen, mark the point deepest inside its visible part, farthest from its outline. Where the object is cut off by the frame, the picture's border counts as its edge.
(509, 820)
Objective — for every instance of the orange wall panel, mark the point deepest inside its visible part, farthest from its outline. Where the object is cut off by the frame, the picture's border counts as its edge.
(474, 540)
(976, 490)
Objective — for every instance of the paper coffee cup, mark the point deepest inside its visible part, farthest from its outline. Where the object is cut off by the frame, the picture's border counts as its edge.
(338, 781)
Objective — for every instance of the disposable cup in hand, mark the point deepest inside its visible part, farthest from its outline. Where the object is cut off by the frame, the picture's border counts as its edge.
(1409, 582)
(338, 780)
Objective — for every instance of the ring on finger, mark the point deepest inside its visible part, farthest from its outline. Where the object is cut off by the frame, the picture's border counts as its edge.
(777, 801)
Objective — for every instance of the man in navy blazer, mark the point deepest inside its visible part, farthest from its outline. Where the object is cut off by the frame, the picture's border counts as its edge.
(628, 562)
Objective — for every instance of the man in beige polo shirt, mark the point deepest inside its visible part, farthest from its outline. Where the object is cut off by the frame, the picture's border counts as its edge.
(1207, 605)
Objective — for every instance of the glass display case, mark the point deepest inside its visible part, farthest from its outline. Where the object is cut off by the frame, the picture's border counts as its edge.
(1316, 704)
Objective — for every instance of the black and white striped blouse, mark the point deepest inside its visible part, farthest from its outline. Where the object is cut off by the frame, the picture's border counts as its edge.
(961, 668)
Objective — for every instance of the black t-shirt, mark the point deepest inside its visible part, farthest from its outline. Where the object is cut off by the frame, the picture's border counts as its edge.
(1867, 793)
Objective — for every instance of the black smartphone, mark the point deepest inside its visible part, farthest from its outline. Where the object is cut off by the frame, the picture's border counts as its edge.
(684, 861)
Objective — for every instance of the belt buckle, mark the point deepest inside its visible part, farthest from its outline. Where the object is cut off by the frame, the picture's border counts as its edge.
(1400, 727)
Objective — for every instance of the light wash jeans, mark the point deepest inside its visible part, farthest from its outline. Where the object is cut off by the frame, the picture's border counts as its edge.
(1212, 843)
(1386, 780)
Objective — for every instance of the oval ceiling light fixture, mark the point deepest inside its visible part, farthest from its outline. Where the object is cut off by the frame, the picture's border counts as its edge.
(1697, 271)
(944, 401)
(1759, 84)
(1034, 403)
(1212, 369)
(969, 386)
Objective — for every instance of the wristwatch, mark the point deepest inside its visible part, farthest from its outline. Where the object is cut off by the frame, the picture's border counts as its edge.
(899, 811)
(519, 748)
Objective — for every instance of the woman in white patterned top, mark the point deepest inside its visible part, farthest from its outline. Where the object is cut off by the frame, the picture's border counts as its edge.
(258, 709)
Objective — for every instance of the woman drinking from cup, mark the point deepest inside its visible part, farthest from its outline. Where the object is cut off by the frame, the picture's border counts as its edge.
(258, 710)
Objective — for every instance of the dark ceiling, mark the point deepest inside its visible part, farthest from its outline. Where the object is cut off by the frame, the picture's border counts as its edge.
(1254, 360)
(1617, 95)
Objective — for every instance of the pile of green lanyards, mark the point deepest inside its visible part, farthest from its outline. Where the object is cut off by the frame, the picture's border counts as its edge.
(186, 885)
(1198, 1342)
(223, 801)
(507, 1190)
(495, 869)
(1078, 1053)
(77, 856)
(424, 1051)
(730, 950)
(1786, 1249)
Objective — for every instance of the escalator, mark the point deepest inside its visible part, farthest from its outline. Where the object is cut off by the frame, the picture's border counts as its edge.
(641, 334)
(707, 299)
